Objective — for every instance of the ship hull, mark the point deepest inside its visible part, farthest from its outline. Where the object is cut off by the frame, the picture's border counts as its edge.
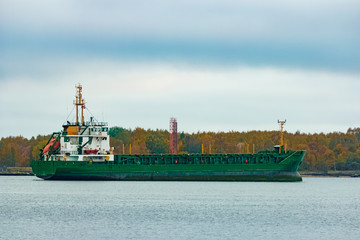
(76, 170)
(257, 176)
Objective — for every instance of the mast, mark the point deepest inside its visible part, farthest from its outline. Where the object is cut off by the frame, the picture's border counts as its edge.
(79, 101)
(281, 123)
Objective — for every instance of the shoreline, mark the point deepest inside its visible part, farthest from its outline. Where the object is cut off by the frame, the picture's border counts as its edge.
(350, 173)
(15, 174)
(17, 171)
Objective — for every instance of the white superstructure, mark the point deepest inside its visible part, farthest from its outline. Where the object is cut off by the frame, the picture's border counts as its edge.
(85, 141)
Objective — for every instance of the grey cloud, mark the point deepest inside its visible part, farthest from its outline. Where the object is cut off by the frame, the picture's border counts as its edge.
(49, 46)
(306, 34)
(251, 20)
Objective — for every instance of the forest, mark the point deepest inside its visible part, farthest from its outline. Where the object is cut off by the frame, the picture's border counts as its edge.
(324, 152)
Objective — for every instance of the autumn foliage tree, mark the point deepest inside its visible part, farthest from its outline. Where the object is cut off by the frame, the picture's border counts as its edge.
(15, 152)
(332, 151)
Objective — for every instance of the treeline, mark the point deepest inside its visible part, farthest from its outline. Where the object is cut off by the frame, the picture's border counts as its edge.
(332, 151)
(19, 151)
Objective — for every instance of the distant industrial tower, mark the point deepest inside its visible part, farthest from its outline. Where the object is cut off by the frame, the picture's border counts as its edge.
(173, 136)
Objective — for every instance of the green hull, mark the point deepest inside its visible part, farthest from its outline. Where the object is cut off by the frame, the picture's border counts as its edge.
(143, 168)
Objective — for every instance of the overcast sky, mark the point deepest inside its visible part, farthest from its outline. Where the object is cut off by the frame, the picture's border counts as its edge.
(215, 65)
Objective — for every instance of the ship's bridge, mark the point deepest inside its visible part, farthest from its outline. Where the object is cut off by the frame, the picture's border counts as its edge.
(87, 123)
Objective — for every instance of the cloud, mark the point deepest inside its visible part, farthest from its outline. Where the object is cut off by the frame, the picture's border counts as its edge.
(330, 20)
(132, 94)
(307, 34)
(216, 65)
(342, 58)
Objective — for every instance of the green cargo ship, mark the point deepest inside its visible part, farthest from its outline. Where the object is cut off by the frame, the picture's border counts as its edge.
(81, 151)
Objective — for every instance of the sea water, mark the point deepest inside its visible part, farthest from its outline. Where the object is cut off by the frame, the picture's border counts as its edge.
(317, 208)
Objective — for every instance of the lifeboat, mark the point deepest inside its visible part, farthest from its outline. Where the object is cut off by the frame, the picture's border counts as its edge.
(91, 151)
(53, 143)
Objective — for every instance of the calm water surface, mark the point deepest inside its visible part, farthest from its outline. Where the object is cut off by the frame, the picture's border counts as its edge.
(317, 208)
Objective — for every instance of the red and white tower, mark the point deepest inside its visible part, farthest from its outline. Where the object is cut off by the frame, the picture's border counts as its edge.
(173, 136)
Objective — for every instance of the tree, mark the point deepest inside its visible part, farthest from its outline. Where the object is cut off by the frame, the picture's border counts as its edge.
(157, 142)
(191, 144)
(138, 139)
(121, 133)
(37, 149)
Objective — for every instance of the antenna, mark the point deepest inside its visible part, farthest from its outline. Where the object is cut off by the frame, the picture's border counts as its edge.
(281, 123)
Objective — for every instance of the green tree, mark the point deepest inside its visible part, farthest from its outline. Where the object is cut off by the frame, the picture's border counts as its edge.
(121, 133)
(191, 144)
(37, 149)
(157, 142)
